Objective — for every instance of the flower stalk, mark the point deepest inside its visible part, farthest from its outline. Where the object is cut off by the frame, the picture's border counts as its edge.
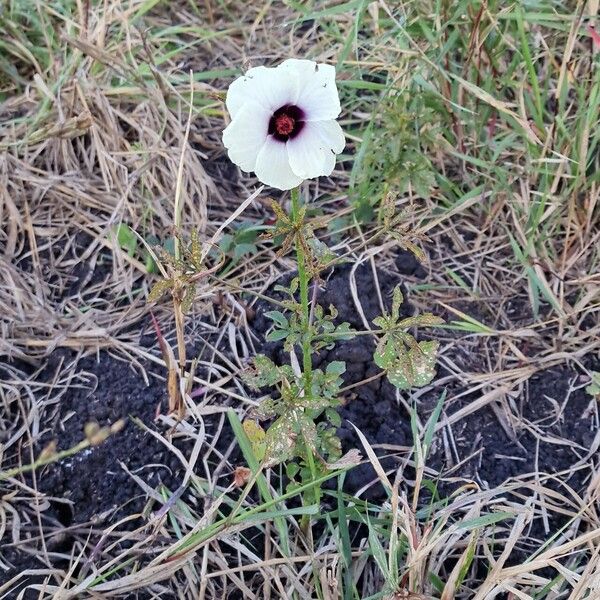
(312, 495)
(303, 280)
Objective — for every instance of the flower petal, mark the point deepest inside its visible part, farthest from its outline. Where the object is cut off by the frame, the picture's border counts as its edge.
(271, 88)
(310, 156)
(246, 135)
(273, 166)
(318, 95)
(332, 135)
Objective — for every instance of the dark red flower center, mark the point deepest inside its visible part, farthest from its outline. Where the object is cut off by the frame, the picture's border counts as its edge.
(286, 122)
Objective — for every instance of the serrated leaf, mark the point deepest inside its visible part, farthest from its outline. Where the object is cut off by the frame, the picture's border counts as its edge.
(280, 441)
(333, 416)
(397, 300)
(406, 369)
(276, 335)
(264, 373)
(188, 298)
(159, 288)
(381, 322)
(278, 317)
(256, 435)
(336, 367)
(344, 332)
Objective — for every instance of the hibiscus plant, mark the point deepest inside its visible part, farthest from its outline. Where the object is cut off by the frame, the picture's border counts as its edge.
(283, 128)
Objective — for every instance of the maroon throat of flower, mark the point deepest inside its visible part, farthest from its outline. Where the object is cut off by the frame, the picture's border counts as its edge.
(286, 122)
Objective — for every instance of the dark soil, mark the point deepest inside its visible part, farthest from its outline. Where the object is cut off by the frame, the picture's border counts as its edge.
(93, 480)
(375, 409)
(92, 488)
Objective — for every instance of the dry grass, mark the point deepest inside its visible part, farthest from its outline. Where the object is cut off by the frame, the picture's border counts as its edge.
(95, 101)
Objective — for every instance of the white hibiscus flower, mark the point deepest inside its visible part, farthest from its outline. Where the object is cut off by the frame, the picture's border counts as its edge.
(283, 123)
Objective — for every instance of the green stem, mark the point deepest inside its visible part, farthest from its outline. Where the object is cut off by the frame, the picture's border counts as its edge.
(303, 279)
(313, 495)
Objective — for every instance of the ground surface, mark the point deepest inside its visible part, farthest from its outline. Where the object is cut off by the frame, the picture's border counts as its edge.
(555, 430)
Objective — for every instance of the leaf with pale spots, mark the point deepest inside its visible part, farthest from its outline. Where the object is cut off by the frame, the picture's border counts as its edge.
(188, 298)
(284, 437)
(307, 429)
(397, 300)
(406, 368)
(389, 210)
(256, 435)
(424, 320)
(380, 322)
(195, 250)
(407, 362)
(267, 409)
(266, 373)
(385, 353)
(408, 245)
(159, 288)
(280, 440)
(330, 443)
(320, 252)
